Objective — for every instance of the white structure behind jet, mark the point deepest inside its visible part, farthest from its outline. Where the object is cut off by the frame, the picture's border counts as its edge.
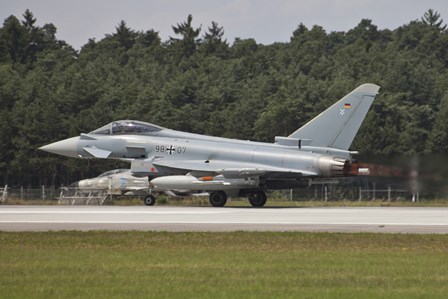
(116, 182)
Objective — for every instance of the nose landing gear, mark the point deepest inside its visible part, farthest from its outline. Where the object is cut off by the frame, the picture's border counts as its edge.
(149, 200)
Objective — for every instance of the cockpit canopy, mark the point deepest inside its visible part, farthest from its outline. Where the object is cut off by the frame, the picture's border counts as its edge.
(133, 127)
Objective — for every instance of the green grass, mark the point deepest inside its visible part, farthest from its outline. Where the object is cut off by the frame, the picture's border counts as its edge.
(222, 265)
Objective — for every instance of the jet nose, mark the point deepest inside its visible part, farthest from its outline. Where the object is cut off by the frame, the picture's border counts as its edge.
(67, 147)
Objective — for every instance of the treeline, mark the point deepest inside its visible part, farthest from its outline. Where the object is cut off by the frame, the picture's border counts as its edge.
(199, 82)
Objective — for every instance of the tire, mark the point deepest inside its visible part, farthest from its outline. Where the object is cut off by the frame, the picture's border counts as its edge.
(258, 199)
(150, 200)
(218, 199)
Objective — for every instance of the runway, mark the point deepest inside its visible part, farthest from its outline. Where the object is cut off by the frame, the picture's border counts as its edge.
(182, 219)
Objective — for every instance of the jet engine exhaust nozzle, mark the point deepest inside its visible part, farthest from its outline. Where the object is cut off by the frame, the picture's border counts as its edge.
(337, 167)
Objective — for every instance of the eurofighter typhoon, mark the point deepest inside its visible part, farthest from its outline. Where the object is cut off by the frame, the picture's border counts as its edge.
(186, 163)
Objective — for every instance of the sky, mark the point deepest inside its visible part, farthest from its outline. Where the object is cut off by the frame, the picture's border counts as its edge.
(266, 21)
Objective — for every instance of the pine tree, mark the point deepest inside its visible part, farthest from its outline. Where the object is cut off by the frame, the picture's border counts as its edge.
(432, 19)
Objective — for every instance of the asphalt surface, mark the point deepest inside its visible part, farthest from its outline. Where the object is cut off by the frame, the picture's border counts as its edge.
(159, 218)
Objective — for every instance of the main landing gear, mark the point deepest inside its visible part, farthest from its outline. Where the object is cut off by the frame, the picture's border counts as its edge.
(218, 198)
(256, 198)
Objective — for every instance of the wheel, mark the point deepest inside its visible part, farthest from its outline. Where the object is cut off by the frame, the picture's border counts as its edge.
(258, 199)
(150, 200)
(218, 199)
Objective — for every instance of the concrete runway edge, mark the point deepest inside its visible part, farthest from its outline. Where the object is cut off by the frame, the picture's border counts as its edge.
(183, 219)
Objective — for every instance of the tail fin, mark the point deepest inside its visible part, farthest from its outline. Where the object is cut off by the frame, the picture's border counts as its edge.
(337, 126)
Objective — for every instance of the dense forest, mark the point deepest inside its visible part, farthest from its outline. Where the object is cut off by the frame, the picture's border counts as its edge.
(197, 81)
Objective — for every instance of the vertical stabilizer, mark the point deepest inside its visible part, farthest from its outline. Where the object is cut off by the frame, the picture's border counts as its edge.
(337, 126)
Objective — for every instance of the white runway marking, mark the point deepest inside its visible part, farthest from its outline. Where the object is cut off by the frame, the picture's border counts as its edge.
(405, 220)
(220, 222)
(111, 212)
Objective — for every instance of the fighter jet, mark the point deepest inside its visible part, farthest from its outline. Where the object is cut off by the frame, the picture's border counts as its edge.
(184, 162)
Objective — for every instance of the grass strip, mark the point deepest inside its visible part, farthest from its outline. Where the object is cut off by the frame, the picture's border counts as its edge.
(103, 264)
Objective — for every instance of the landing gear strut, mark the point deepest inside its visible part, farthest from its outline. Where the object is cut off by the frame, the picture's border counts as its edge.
(149, 200)
(218, 198)
(257, 199)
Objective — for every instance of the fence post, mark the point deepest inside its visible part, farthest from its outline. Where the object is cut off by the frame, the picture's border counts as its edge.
(5, 194)
(388, 193)
(373, 191)
(326, 193)
(43, 192)
(360, 194)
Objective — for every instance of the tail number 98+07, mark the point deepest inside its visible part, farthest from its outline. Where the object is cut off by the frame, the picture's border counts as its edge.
(171, 150)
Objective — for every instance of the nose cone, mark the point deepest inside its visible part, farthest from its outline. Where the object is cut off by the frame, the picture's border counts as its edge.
(67, 147)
